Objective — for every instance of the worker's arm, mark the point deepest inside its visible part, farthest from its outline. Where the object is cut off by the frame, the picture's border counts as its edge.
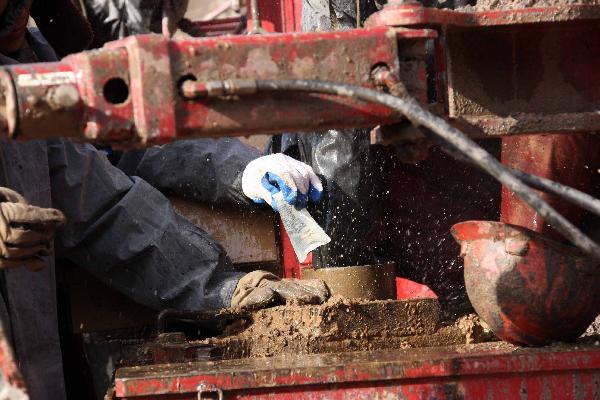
(125, 232)
(223, 171)
(204, 170)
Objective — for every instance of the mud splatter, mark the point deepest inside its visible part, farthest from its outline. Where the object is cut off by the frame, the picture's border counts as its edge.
(343, 325)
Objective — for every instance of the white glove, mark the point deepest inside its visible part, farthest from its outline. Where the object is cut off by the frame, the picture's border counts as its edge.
(266, 176)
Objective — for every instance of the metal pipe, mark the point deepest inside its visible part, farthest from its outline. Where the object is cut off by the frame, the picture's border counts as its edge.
(568, 193)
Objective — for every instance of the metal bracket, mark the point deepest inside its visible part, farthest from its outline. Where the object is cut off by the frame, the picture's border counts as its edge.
(209, 392)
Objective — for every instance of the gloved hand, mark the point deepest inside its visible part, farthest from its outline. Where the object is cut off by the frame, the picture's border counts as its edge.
(260, 289)
(26, 231)
(266, 176)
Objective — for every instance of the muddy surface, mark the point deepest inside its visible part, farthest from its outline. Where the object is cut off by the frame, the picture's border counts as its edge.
(343, 325)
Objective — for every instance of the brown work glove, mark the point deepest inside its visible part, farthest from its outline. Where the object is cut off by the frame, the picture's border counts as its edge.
(26, 231)
(260, 289)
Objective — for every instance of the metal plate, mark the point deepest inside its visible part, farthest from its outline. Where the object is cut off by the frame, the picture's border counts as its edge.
(476, 371)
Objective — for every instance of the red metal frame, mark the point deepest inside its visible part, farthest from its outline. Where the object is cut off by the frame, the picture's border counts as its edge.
(292, 268)
(568, 159)
(151, 115)
(217, 27)
(477, 372)
(73, 95)
(278, 15)
(399, 13)
(479, 49)
(146, 107)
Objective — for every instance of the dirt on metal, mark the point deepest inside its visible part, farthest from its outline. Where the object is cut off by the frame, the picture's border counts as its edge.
(593, 329)
(518, 4)
(343, 325)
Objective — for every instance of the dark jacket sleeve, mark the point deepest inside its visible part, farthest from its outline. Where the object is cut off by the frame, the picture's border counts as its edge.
(116, 19)
(204, 170)
(126, 233)
(112, 19)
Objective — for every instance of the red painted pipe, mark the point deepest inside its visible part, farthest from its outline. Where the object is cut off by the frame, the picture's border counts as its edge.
(571, 159)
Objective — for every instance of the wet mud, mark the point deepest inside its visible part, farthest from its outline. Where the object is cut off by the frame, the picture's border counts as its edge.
(343, 325)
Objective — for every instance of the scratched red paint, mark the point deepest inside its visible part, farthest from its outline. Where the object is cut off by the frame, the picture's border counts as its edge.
(403, 14)
(151, 68)
(530, 374)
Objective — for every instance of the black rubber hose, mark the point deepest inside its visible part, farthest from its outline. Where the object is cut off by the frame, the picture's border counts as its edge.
(568, 193)
(575, 196)
(421, 117)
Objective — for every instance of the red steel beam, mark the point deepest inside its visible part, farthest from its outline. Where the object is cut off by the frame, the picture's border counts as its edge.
(129, 90)
(479, 371)
(400, 13)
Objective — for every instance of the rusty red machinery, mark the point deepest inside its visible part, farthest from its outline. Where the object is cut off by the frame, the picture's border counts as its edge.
(490, 73)
(112, 94)
(487, 371)
(117, 94)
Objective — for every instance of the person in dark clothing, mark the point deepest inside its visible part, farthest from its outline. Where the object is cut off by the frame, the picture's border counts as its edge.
(115, 19)
(119, 227)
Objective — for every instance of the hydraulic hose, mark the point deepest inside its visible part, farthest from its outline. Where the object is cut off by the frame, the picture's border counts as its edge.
(573, 195)
(568, 193)
(412, 110)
